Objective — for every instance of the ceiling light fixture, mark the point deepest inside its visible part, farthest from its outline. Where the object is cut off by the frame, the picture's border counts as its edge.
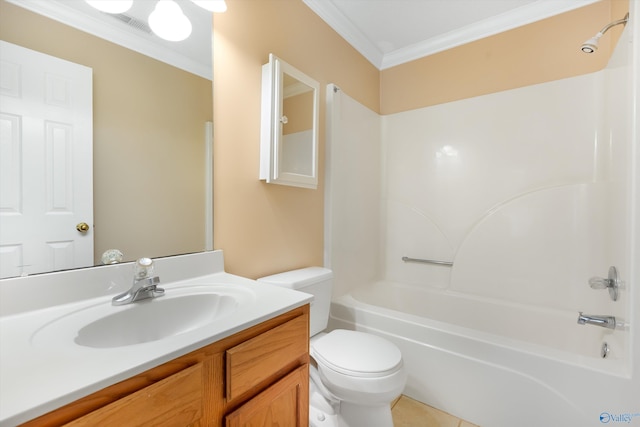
(111, 6)
(168, 21)
(215, 6)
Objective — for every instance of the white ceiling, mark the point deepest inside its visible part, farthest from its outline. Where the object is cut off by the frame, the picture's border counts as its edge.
(386, 32)
(392, 32)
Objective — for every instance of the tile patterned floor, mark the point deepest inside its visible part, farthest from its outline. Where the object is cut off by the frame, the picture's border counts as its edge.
(411, 413)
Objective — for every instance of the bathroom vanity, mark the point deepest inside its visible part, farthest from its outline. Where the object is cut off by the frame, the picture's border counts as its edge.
(255, 377)
(246, 366)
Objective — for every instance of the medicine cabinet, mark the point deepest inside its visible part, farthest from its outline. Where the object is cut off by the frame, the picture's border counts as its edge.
(289, 126)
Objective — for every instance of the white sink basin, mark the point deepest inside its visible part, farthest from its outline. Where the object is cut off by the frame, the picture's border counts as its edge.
(179, 311)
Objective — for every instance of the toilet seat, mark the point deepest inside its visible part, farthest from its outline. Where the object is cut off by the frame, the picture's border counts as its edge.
(359, 368)
(357, 354)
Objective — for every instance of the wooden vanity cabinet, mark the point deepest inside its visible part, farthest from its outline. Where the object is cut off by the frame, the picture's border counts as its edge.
(258, 377)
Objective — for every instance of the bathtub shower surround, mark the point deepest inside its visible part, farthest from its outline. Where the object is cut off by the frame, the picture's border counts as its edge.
(524, 198)
(514, 187)
(529, 193)
(522, 191)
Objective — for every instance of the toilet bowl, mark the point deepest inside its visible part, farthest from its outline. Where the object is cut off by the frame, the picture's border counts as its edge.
(355, 375)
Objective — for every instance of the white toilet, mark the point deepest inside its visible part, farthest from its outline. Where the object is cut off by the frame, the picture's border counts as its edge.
(357, 375)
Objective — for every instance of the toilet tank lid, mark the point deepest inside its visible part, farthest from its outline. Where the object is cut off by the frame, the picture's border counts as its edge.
(300, 278)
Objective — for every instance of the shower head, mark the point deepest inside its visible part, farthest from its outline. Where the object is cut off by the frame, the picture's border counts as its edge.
(591, 45)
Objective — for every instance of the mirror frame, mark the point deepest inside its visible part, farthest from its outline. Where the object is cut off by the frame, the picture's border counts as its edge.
(271, 135)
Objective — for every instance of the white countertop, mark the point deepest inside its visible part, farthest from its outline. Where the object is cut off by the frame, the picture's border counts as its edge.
(36, 379)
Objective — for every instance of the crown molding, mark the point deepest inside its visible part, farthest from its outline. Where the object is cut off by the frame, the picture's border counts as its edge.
(516, 18)
(330, 14)
(67, 15)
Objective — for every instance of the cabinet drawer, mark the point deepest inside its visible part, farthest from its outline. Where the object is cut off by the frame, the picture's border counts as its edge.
(260, 358)
(176, 400)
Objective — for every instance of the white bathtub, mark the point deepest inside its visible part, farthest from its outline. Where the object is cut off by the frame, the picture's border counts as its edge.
(463, 357)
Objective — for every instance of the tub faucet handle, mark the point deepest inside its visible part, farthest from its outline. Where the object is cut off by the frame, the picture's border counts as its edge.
(611, 282)
(599, 283)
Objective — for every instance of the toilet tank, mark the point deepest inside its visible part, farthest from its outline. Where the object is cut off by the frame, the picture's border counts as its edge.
(316, 281)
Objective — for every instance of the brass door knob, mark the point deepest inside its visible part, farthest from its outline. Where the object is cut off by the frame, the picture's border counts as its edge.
(83, 227)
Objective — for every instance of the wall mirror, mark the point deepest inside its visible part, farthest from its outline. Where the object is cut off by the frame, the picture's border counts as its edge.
(150, 132)
(289, 126)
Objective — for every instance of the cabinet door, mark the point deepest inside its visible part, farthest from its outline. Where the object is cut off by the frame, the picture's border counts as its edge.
(258, 360)
(286, 403)
(174, 401)
(289, 122)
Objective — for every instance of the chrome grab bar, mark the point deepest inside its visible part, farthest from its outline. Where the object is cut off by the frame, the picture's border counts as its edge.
(427, 261)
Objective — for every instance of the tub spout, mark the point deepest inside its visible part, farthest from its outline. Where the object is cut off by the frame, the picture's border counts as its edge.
(603, 321)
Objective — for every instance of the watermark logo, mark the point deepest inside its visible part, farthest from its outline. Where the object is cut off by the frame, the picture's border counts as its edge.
(623, 417)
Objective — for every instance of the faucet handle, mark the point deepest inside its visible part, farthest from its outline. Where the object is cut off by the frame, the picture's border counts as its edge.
(599, 283)
(611, 282)
(143, 268)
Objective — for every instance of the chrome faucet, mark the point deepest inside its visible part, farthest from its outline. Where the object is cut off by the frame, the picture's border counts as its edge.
(144, 285)
(603, 321)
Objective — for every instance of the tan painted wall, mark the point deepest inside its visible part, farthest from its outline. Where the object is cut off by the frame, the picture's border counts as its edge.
(542, 51)
(265, 228)
(148, 138)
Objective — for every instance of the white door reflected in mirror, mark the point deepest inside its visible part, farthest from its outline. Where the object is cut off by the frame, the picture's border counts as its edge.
(46, 166)
(289, 127)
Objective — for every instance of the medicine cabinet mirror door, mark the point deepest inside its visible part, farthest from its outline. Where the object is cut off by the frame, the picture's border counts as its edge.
(289, 135)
